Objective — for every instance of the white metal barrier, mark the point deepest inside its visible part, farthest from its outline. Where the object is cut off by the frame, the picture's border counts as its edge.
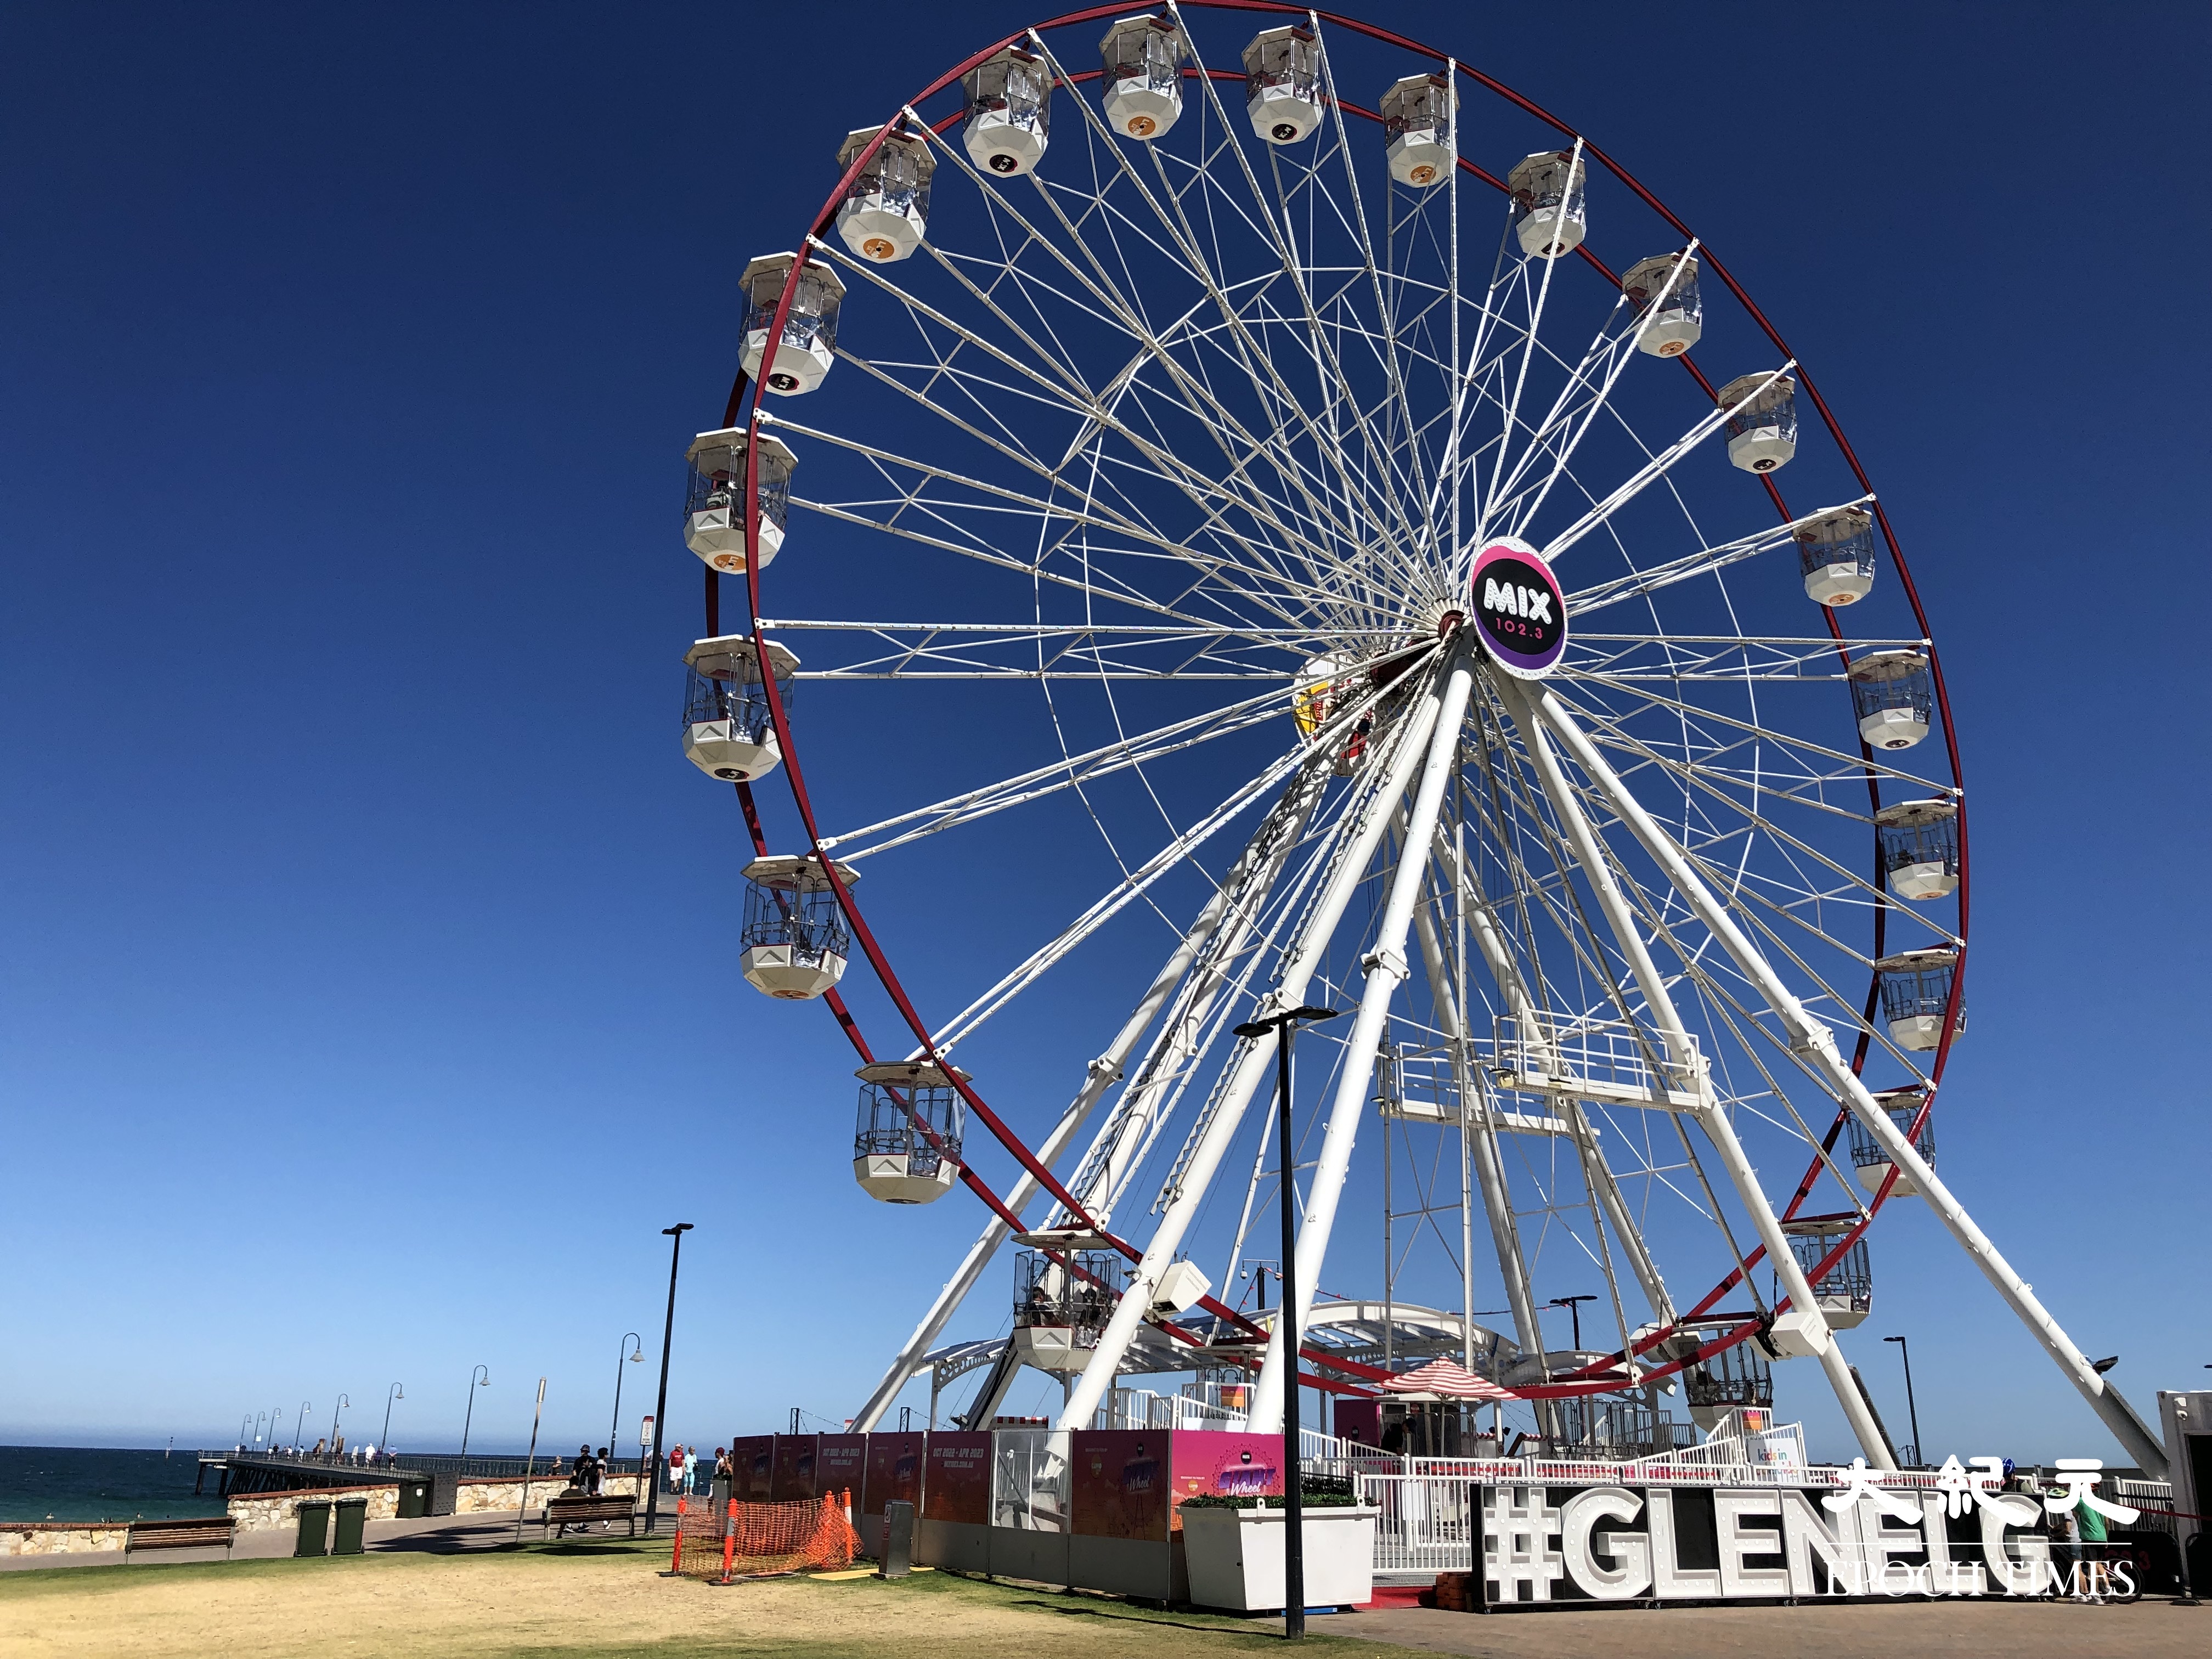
(1142, 1409)
(2154, 1498)
(1427, 1523)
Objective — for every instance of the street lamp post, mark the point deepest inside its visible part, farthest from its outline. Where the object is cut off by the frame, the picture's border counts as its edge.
(661, 1409)
(614, 1424)
(475, 1383)
(1285, 1026)
(275, 1412)
(245, 1427)
(300, 1424)
(396, 1393)
(1911, 1411)
(343, 1403)
(531, 1468)
(1573, 1305)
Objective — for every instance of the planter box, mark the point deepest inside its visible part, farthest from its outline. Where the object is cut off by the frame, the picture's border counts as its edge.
(1234, 1556)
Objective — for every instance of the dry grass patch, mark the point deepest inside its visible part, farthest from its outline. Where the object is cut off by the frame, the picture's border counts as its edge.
(558, 1600)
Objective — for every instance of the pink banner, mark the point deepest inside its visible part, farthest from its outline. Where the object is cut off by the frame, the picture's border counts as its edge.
(1216, 1464)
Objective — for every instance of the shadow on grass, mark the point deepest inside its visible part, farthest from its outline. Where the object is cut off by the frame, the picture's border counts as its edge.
(1114, 1612)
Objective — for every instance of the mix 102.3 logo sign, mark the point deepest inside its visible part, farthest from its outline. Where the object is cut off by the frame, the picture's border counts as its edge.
(1520, 611)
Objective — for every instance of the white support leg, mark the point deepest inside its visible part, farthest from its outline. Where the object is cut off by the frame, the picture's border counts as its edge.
(1254, 1063)
(1812, 1040)
(1490, 940)
(1245, 897)
(1386, 971)
(1481, 1152)
(1686, 1065)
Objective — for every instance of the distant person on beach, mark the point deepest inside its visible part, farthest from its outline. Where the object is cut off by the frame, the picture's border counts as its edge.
(676, 1467)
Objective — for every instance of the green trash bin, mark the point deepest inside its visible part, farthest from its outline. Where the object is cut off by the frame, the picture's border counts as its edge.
(414, 1499)
(353, 1516)
(315, 1529)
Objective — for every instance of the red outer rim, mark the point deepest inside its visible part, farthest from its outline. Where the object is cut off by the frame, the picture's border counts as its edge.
(1585, 1381)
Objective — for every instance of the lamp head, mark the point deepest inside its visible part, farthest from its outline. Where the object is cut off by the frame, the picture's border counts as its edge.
(680, 1227)
(1310, 1013)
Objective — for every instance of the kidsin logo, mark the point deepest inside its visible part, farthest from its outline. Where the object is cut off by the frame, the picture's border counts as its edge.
(1520, 611)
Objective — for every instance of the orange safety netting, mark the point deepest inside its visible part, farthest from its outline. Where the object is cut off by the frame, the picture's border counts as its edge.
(752, 1540)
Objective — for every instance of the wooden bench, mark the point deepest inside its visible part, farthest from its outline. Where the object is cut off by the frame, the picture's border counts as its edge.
(581, 1509)
(203, 1534)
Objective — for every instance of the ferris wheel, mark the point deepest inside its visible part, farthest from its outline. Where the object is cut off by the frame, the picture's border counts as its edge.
(1270, 516)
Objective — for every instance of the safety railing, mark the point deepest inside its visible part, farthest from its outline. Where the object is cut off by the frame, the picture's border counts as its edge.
(2154, 1499)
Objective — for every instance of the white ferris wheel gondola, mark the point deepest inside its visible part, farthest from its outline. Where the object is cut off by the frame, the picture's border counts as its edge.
(1142, 67)
(885, 213)
(906, 1147)
(728, 733)
(795, 942)
(715, 512)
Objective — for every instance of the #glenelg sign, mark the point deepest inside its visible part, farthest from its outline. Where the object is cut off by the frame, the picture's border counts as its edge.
(1959, 1537)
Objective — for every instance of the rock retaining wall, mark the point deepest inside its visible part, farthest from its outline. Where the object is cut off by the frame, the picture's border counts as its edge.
(263, 1512)
(484, 1496)
(268, 1511)
(59, 1537)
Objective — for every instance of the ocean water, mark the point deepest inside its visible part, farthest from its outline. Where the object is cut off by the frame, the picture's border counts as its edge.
(72, 1483)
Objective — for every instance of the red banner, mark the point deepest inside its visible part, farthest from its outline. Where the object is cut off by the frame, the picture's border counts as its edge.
(958, 1486)
(752, 1457)
(793, 1474)
(841, 1465)
(1119, 1483)
(894, 1471)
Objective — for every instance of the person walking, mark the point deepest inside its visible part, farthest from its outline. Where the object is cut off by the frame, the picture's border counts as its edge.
(2089, 1541)
(676, 1468)
(719, 1494)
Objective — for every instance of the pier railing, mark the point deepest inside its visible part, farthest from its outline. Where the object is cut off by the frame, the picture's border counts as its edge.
(475, 1466)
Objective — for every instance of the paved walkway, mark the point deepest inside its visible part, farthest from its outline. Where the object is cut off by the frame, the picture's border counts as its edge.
(439, 1534)
(1898, 1629)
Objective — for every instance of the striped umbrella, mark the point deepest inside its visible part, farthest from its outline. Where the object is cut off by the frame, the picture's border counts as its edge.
(1447, 1380)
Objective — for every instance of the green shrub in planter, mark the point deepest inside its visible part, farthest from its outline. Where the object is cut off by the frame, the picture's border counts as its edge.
(1308, 1500)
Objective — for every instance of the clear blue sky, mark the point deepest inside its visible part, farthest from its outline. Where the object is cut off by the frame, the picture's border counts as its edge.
(369, 1002)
